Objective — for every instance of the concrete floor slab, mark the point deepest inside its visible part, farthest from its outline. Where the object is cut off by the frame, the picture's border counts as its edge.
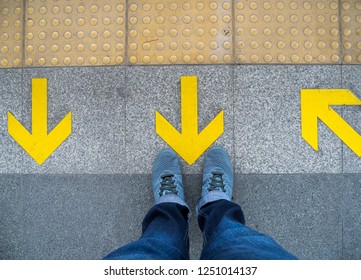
(158, 88)
(351, 217)
(301, 212)
(267, 120)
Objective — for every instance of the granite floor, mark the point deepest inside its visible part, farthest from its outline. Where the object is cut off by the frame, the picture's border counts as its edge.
(85, 199)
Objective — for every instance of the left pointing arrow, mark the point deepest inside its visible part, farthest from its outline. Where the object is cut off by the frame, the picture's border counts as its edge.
(39, 144)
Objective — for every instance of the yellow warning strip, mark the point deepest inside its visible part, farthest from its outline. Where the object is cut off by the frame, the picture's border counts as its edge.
(114, 32)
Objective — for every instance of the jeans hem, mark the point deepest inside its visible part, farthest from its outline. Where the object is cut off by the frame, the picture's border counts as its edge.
(211, 196)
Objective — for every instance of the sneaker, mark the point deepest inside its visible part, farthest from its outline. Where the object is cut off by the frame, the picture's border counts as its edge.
(217, 172)
(167, 175)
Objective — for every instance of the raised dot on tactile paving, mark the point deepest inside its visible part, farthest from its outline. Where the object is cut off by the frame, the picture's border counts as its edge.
(294, 45)
(307, 31)
(213, 58)
(55, 22)
(80, 47)
(67, 48)
(146, 59)
(347, 45)
(267, 18)
(173, 46)
(267, 58)
(307, 5)
(55, 10)
(294, 31)
(173, 6)
(159, 6)
(29, 61)
(308, 58)
(347, 32)
(133, 33)
(335, 58)
(213, 45)
(308, 45)
(334, 18)
(213, 18)
(346, 5)
(187, 19)
(147, 20)
(254, 58)
(227, 58)
(253, 18)
(173, 59)
(186, 6)
(80, 60)
(93, 60)
(5, 49)
(295, 58)
(93, 21)
(227, 45)
(281, 44)
(107, 34)
(267, 31)
(347, 58)
(335, 45)
(281, 31)
(67, 60)
(186, 58)
(321, 18)
(267, 5)
(321, 31)
(81, 9)
(267, 44)
(133, 20)
(106, 47)
(173, 32)
(81, 21)
(200, 32)
(346, 18)
(160, 59)
(241, 58)
(17, 49)
(187, 32)
(147, 7)
(200, 45)
(200, 58)
(43, 10)
(254, 45)
(106, 60)
(226, 19)
(173, 19)
(160, 46)
(160, 20)
(280, 18)
(213, 32)
(294, 18)
(240, 18)
(187, 45)
(54, 61)
(321, 45)
(54, 48)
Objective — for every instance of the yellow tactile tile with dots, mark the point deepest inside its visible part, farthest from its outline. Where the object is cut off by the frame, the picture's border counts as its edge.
(277, 32)
(351, 31)
(11, 18)
(180, 32)
(74, 32)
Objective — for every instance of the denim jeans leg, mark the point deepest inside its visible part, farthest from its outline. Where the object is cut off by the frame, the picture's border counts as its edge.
(226, 237)
(164, 237)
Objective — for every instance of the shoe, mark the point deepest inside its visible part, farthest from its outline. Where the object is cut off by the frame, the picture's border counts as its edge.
(217, 172)
(167, 175)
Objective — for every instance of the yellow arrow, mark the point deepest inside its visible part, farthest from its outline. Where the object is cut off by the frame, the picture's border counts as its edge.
(189, 144)
(39, 144)
(315, 104)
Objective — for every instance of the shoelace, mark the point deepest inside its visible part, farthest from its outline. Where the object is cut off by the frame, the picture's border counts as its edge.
(167, 184)
(217, 182)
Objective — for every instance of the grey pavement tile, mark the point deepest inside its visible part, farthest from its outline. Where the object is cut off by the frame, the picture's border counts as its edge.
(95, 96)
(351, 79)
(351, 217)
(11, 222)
(11, 91)
(81, 216)
(267, 120)
(158, 88)
(302, 212)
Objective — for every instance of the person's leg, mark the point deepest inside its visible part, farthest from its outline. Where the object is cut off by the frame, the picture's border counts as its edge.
(222, 221)
(165, 227)
(164, 237)
(226, 237)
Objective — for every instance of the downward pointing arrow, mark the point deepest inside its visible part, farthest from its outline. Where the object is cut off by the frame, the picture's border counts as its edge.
(315, 104)
(39, 144)
(189, 144)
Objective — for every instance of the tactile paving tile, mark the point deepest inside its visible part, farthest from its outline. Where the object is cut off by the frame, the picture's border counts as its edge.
(11, 18)
(277, 31)
(351, 31)
(180, 32)
(74, 32)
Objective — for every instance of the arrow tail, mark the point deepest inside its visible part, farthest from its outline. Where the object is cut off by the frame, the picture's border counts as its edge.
(343, 130)
(39, 107)
(189, 106)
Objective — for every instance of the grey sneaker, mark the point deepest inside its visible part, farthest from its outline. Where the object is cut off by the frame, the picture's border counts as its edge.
(217, 172)
(167, 175)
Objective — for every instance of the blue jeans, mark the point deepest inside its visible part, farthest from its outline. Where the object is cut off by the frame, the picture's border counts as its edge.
(165, 235)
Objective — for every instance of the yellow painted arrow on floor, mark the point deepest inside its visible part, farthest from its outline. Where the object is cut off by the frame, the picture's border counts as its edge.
(315, 104)
(39, 144)
(189, 144)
